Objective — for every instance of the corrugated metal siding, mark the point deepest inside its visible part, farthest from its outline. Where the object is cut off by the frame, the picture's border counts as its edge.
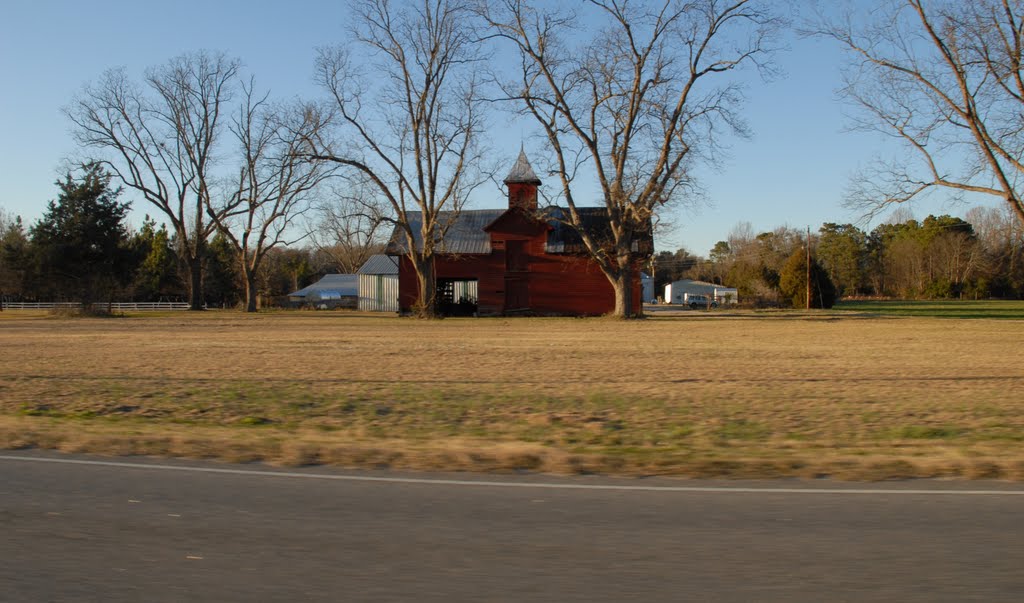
(467, 289)
(378, 292)
(675, 292)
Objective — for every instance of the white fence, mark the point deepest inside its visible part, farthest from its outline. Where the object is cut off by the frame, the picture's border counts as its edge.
(117, 307)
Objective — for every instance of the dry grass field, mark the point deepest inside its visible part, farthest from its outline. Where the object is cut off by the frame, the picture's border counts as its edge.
(845, 395)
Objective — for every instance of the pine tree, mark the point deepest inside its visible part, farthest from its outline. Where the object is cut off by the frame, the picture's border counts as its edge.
(80, 248)
(793, 282)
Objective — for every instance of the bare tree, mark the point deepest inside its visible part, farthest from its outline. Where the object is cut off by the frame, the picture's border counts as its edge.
(641, 100)
(348, 226)
(1000, 233)
(956, 257)
(274, 186)
(412, 121)
(944, 78)
(161, 140)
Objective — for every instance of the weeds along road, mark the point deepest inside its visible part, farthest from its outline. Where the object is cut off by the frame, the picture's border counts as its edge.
(100, 529)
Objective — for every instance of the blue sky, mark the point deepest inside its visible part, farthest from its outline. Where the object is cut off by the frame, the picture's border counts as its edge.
(791, 172)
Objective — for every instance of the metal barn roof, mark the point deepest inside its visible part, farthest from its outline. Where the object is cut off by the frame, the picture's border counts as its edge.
(331, 285)
(379, 264)
(466, 233)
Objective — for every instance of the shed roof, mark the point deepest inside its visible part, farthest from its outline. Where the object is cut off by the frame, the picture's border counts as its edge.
(379, 264)
(345, 285)
(699, 286)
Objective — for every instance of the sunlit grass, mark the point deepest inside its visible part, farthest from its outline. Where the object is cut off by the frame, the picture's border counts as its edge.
(742, 394)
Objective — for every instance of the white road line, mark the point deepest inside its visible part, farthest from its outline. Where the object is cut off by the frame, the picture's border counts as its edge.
(496, 484)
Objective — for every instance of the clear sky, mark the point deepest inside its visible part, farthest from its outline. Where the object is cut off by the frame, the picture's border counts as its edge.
(792, 172)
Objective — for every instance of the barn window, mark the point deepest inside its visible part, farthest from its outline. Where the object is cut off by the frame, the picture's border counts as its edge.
(457, 297)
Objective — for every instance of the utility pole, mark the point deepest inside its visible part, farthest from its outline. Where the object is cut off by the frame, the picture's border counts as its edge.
(808, 267)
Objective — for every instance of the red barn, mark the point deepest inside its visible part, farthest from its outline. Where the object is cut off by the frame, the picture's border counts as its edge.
(517, 260)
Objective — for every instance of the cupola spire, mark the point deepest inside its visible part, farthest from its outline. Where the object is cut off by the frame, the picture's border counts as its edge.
(522, 171)
(522, 184)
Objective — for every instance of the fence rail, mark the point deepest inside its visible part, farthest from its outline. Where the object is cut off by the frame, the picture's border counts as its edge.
(118, 306)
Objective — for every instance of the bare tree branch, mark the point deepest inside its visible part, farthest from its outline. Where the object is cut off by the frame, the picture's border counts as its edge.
(275, 185)
(410, 128)
(161, 140)
(641, 100)
(349, 225)
(945, 79)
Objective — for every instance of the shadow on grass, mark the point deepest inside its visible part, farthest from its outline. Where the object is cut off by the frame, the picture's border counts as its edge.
(984, 309)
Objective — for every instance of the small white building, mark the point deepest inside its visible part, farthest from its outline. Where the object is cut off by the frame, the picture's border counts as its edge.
(678, 292)
(378, 284)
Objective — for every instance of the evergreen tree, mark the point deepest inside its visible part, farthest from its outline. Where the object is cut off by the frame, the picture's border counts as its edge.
(222, 284)
(793, 282)
(157, 274)
(80, 248)
(13, 248)
(843, 251)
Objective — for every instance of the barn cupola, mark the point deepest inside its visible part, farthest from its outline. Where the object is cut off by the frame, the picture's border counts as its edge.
(522, 184)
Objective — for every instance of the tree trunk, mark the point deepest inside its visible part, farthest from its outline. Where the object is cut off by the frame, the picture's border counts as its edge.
(622, 284)
(426, 305)
(622, 297)
(249, 277)
(195, 275)
(250, 291)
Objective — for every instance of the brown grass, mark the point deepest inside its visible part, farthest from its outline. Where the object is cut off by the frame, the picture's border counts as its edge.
(738, 395)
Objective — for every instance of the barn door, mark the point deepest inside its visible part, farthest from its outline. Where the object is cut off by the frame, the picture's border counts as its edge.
(516, 294)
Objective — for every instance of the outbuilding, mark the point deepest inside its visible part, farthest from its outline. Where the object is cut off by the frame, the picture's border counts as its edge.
(332, 291)
(678, 292)
(647, 287)
(378, 284)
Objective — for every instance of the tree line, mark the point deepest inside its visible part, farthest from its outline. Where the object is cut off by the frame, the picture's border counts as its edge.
(939, 257)
(82, 249)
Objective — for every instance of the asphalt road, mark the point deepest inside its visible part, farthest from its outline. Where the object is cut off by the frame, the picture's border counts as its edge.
(149, 530)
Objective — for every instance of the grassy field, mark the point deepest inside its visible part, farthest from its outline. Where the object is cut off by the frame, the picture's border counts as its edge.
(846, 394)
(1013, 310)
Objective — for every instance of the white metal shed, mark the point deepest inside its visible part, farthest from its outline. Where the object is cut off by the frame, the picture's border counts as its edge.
(378, 284)
(677, 292)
